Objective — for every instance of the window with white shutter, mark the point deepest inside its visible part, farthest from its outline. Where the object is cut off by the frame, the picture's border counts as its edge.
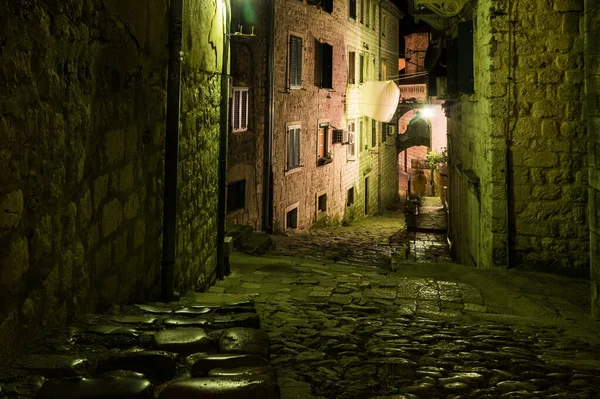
(293, 147)
(239, 109)
(295, 63)
(351, 145)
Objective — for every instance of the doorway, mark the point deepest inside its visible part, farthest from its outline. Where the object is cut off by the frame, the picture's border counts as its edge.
(366, 195)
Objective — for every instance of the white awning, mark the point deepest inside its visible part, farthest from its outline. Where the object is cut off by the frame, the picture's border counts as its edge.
(379, 100)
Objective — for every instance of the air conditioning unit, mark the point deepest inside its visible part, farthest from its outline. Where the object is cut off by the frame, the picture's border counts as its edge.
(442, 87)
(338, 136)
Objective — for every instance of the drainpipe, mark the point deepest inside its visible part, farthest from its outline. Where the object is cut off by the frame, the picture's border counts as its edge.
(269, 111)
(379, 210)
(222, 194)
(172, 152)
(508, 139)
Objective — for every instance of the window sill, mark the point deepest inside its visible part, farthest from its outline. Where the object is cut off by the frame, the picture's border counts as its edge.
(324, 161)
(288, 172)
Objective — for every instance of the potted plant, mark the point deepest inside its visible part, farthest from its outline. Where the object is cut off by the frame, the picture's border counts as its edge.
(325, 160)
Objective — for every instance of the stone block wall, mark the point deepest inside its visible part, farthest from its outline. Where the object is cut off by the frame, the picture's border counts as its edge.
(81, 167)
(549, 219)
(592, 114)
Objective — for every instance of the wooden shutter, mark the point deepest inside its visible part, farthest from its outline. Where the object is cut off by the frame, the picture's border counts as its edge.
(297, 147)
(351, 67)
(295, 61)
(373, 133)
(244, 107)
(236, 110)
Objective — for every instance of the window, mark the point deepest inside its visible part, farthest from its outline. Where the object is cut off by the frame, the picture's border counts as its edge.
(322, 203)
(363, 134)
(295, 67)
(351, 67)
(236, 195)
(384, 131)
(350, 196)
(239, 109)
(351, 145)
(352, 9)
(323, 141)
(373, 132)
(326, 65)
(362, 11)
(367, 8)
(383, 24)
(327, 5)
(373, 13)
(383, 70)
(291, 219)
(293, 147)
(361, 70)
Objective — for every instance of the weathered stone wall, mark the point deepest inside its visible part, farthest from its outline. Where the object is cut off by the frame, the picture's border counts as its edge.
(81, 167)
(592, 113)
(548, 219)
(246, 149)
(312, 105)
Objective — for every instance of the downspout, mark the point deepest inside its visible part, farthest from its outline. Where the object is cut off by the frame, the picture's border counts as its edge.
(224, 105)
(172, 152)
(269, 111)
(379, 211)
(508, 139)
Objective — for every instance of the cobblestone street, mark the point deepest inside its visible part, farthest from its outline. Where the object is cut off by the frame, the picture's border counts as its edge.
(300, 323)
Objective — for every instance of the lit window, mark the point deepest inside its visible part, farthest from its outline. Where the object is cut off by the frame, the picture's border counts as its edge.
(295, 62)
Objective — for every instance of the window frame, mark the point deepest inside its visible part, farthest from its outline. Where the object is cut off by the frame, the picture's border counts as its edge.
(352, 67)
(351, 149)
(241, 90)
(292, 73)
(296, 126)
(326, 138)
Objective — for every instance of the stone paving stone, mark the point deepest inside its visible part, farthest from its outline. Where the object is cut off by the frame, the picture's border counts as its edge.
(94, 388)
(245, 340)
(158, 366)
(340, 299)
(250, 387)
(133, 319)
(380, 293)
(203, 363)
(187, 322)
(183, 340)
(195, 310)
(106, 329)
(236, 320)
(242, 371)
(155, 309)
(53, 365)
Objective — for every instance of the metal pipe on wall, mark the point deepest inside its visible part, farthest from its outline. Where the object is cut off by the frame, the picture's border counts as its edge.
(269, 111)
(172, 152)
(222, 194)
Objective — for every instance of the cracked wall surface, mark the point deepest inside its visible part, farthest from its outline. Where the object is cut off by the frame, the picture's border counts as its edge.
(82, 121)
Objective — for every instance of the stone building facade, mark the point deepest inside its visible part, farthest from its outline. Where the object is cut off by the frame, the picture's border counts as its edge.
(528, 102)
(322, 54)
(82, 122)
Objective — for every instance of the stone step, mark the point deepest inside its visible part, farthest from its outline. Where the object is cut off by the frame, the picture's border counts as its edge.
(258, 244)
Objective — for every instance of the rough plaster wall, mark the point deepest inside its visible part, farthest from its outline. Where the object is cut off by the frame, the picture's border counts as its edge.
(312, 105)
(592, 113)
(82, 126)
(547, 129)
